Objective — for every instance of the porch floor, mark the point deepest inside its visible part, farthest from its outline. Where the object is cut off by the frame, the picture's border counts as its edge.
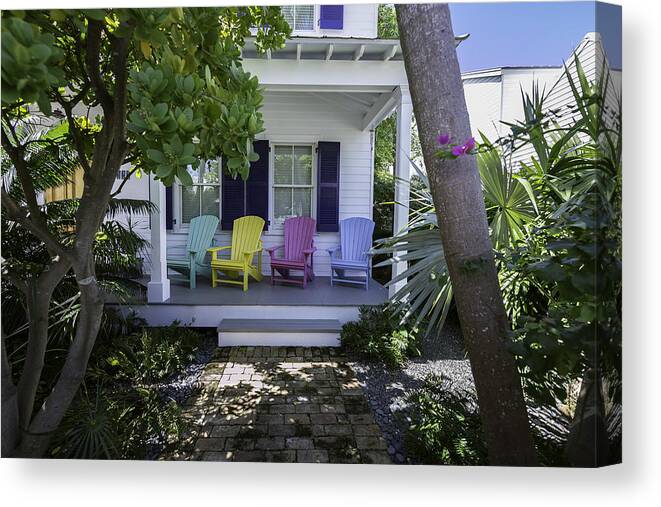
(280, 404)
(318, 293)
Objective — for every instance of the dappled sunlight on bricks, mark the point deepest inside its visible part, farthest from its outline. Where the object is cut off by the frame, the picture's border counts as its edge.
(281, 404)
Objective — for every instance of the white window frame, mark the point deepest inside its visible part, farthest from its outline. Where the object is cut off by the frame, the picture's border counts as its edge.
(315, 22)
(177, 206)
(275, 226)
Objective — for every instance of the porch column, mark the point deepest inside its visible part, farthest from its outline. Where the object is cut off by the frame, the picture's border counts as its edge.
(402, 174)
(158, 289)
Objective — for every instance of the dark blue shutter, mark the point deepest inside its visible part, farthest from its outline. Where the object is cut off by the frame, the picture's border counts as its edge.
(168, 207)
(232, 199)
(328, 186)
(331, 17)
(257, 184)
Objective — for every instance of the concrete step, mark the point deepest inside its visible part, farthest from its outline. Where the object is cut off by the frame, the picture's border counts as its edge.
(279, 332)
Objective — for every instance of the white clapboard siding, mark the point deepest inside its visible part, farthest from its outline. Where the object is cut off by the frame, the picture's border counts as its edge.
(360, 20)
(483, 100)
(591, 56)
(302, 117)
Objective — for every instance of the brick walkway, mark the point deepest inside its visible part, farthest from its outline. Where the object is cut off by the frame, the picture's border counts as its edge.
(281, 404)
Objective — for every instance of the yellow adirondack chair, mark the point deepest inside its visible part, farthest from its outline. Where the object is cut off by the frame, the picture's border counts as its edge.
(246, 242)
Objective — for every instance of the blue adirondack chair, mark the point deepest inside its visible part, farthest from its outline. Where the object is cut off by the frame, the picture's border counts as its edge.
(353, 252)
(200, 237)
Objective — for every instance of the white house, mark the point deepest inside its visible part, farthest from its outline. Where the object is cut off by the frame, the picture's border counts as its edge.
(324, 92)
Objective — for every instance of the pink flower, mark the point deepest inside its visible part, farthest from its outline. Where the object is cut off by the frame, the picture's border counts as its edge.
(462, 149)
(458, 150)
(443, 139)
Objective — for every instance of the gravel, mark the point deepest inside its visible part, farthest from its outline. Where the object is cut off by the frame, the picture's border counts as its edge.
(180, 387)
(386, 389)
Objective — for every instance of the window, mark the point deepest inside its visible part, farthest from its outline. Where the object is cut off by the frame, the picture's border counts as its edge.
(292, 181)
(301, 18)
(203, 196)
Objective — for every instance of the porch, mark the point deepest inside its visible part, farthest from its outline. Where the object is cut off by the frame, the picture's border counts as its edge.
(280, 315)
(318, 293)
(310, 100)
(336, 96)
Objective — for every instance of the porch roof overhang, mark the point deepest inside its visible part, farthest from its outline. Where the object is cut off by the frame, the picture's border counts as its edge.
(354, 75)
(365, 75)
(330, 49)
(333, 49)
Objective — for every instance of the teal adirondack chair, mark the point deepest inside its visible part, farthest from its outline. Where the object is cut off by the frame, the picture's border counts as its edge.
(200, 237)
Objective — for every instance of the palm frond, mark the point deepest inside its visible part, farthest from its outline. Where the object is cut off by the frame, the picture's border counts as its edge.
(51, 163)
(130, 207)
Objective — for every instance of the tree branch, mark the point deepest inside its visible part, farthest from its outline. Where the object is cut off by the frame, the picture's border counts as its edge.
(31, 219)
(75, 132)
(17, 282)
(109, 150)
(121, 185)
(38, 229)
(120, 48)
(27, 185)
(92, 60)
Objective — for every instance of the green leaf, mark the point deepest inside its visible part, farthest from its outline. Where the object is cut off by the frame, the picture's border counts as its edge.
(41, 52)
(156, 156)
(562, 244)
(548, 270)
(163, 171)
(184, 176)
(160, 110)
(44, 104)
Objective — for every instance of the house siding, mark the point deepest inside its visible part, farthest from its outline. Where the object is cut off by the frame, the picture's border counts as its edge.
(494, 96)
(514, 82)
(483, 100)
(301, 117)
(590, 53)
(360, 21)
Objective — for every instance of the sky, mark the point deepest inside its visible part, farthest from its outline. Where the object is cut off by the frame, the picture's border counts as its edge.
(532, 34)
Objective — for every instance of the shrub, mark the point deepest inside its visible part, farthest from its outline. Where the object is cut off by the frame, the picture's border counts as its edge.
(127, 416)
(147, 420)
(117, 423)
(380, 335)
(445, 426)
(152, 355)
(89, 430)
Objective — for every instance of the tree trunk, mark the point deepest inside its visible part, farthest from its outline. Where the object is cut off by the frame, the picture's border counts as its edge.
(47, 419)
(38, 300)
(434, 77)
(109, 152)
(10, 428)
(587, 444)
(18, 401)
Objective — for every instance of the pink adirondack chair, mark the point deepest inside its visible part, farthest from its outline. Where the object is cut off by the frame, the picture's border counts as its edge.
(297, 252)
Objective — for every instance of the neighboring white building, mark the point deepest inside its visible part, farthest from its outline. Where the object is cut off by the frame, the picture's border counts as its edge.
(494, 96)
